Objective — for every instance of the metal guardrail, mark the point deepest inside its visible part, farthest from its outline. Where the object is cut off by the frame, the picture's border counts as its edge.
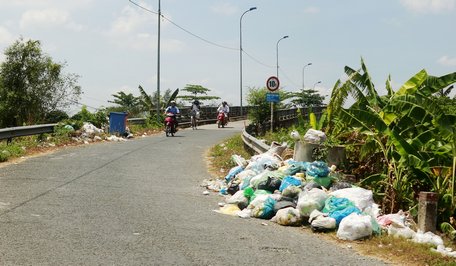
(14, 132)
(253, 143)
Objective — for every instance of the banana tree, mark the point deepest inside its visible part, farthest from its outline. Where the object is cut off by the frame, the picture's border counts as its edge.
(401, 125)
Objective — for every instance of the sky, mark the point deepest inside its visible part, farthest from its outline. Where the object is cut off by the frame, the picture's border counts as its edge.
(112, 44)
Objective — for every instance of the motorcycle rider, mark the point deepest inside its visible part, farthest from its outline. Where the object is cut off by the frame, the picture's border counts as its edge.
(225, 109)
(174, 110)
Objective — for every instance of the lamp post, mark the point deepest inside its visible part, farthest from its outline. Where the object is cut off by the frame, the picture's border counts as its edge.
(316, 84)
(277, 75)
(309, 64)
(277, 54)
(240, 52)
(158, 59)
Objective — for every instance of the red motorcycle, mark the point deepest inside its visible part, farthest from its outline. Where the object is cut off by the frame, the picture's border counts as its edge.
(222, 119)
(170, 124)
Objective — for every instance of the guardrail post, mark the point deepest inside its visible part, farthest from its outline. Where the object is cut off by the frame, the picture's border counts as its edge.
(427, 211)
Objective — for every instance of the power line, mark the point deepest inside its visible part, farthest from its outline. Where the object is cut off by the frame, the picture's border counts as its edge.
(199, 37)
(183, 29)
(256, 60)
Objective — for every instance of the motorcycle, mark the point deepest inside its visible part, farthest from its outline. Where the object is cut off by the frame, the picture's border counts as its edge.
(222, 119)
(170, 124)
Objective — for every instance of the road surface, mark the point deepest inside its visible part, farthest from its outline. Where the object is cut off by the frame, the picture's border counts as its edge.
(140, 203)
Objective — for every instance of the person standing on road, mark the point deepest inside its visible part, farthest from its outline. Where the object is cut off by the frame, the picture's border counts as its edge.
(194, 113)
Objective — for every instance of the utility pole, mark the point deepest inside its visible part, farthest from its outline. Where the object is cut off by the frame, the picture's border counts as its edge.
(158, 59)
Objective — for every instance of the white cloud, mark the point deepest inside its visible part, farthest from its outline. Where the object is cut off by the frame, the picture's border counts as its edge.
(46, 17)
(5, 36)
(312, 10)
(46, 3)
(427, 6)
(130, 21)
(225, 9)
(447, 61)
(131, 30)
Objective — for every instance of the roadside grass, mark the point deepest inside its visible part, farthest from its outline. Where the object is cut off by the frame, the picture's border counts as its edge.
(397, 251)
(220, 155)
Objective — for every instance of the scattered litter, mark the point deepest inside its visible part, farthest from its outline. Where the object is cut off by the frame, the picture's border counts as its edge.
(206, 192)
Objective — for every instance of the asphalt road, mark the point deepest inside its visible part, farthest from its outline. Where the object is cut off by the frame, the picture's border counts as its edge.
(140, 203)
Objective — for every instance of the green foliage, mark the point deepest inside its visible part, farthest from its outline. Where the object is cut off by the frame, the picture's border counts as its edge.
(9, 151)
(197, 92)
(406, 128)
(127, 103)
(262, 111)
(56, 116)
(307, 98)
(98, 118)
(32, 85)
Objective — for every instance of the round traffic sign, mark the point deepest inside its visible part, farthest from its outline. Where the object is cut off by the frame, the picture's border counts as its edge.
(272, 83)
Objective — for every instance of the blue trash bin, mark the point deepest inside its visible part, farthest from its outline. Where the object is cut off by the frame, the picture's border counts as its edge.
(117, 123)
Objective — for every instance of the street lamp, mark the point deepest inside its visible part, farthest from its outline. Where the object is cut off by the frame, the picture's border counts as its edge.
(309, 64)
(240, 51)
(316, 84)
(277, 54)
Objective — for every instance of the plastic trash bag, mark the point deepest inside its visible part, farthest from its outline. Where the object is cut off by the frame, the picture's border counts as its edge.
(313, 199)
(270, 184)
(245, 177)
(233, 172)
(401, 231)
(291, 191)
(311, 184)
(317, 169)
(289, 181)
(264, 209)
(339, 208)
(287, 216)
(362, 198)
(355, 226)
(323, 224)
(322, 181)
(239, 160)
(428, 238)
(339, 185)
(314, 136)
(264, 161)
(239, 199)
(282, 204)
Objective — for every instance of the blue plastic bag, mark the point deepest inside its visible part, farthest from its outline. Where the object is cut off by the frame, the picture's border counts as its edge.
(339, 208)
(288, 181)
(233, 172)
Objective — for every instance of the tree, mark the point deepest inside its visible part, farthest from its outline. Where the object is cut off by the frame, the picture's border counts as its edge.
(127, 102)
(32, 85)
(261, 112)
(307, 98)
(195, 90)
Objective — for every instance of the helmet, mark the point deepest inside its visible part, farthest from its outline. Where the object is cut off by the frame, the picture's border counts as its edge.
(224, 102)
(172, 102)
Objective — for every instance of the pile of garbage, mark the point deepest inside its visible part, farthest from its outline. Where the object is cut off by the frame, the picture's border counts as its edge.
(295, 193)
(90, 133)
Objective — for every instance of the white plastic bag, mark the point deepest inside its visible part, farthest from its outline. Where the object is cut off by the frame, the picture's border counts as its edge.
(362, 198)
(239, 199)
(287, 216)
(314, 136)
(355, 226)
(310, 200)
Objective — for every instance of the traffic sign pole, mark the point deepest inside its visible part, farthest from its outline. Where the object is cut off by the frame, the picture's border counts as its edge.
(272, 84)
